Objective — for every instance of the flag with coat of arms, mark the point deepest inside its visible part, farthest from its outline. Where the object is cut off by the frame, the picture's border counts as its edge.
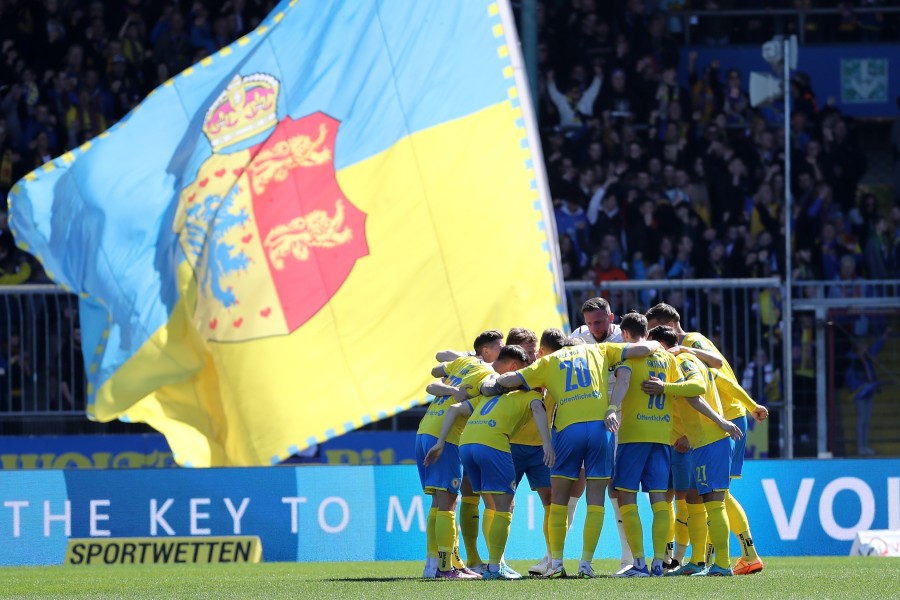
(269, 249)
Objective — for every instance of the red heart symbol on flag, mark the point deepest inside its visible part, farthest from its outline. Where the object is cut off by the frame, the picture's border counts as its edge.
(239, 322)
(213, 323)
(204, 182)
(246, 239)
(220, 172)
(191, 197)
(237, 172)
(265, 312)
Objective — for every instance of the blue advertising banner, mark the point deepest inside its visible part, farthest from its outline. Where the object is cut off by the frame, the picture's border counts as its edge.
(364, 513)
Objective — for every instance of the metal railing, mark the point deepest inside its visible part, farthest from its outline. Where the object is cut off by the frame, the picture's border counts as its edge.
(738, 315)
(41, 368)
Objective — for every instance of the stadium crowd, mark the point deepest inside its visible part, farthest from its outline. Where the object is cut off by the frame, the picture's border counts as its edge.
(69, 69)
(657, 170)
(653, 178)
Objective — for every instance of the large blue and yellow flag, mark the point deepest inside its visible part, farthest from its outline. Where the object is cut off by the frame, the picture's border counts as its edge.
(270, 248)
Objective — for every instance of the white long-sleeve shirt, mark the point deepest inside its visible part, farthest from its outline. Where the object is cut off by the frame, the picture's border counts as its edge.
(567, 113)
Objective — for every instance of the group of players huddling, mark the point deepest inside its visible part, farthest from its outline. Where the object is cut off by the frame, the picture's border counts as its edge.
(597, 413)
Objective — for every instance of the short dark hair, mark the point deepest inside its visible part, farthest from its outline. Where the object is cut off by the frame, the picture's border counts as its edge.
(520, 335)
(595, 304)
(513, 352)
(486, 337)
(663, 313)
(553, 339)
(635, 324)
(665, 335)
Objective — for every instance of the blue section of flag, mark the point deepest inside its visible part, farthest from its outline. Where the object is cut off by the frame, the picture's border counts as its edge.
(101, 221)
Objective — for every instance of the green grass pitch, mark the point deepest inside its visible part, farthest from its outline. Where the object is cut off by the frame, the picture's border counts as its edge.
(809, 577)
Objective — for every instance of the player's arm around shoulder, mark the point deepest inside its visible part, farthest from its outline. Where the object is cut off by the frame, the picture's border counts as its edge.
(460, 408)
(639, 349)
(712, 358)
(446, 356)
(507, 382)
(439, 388)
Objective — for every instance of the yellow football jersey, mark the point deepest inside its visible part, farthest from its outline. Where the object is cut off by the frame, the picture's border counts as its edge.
(528, 434)
(647, 418)
(466, 370)
(735, 400)
(495, 419)
(698, 428)
(577, 377)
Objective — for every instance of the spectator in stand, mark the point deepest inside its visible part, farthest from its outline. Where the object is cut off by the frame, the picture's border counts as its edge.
(736, 105)
(863, 383)
(577, 104)
(847, 157)
(574, 261)
(760, 379)
(715, 266)
(616, 103)
(603, 269)
(14, 265)
(879, 252)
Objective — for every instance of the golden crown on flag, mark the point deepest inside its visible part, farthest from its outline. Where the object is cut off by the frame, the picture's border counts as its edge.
(244, 109)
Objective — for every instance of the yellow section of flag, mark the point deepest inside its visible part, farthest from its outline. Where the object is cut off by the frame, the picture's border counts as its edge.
(457, 244)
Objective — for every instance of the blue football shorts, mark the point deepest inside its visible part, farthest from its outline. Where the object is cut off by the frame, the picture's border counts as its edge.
(446, 473)
(682, 471)
(712, 466)
(588, 444)
(740, 446)
(489, 470)
(642, 465)
(529, 460)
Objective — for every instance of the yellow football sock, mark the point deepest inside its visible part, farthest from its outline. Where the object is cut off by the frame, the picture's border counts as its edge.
(634, 532)
(497, 536)
(443, 532)
(740, 526)
(682, 538)
(486, 520)
(457, 559)
(697, 532)
(670, 535)
(468, 525)
(557, 530)
(430, 540)
(662, 524)
(547, 527)
(719, 532)
(593, 525)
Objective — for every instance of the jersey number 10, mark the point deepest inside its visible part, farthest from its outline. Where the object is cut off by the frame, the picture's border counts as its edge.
(657, 400)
